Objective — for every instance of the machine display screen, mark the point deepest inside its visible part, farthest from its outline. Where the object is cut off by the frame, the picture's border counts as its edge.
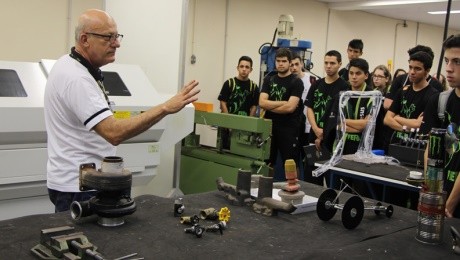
(114, 85)
(10, 84)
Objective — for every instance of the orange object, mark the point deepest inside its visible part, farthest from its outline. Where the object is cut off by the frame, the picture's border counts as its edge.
(290, 171)
(201, 106)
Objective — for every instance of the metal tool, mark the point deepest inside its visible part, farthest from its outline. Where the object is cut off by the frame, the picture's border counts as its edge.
(58, 243)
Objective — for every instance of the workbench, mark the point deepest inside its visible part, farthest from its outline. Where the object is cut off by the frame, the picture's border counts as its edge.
(154, 233)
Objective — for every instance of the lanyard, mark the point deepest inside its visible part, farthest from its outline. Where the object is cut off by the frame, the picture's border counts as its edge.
(96, 73)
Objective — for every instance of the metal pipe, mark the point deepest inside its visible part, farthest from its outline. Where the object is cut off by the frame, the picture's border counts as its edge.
(446, 28)
(79, 210)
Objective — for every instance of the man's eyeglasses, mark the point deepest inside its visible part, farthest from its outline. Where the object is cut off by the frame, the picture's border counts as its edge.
(378, 76)
(109, 37)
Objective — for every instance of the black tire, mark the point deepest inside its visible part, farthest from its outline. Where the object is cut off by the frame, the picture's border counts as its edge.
(325, 208)
(352, 212)
(389, 211)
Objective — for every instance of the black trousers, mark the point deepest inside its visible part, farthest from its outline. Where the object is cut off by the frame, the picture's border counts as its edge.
(285, 139)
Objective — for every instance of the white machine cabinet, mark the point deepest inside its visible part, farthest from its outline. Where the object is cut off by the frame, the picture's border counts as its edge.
(23, 152)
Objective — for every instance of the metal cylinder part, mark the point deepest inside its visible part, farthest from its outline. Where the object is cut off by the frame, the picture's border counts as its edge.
(189, 220)
(209, 213)
(112, 164)
(430, 220)
(80, 210)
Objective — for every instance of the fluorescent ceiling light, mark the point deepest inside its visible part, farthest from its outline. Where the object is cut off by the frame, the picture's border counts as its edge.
(445, 12)
(363, 5)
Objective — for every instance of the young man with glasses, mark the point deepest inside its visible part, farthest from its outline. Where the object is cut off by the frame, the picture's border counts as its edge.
(80, 125)
(451, 117)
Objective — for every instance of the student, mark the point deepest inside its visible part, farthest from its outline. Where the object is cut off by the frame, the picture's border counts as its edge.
(239, 95)
(356, 111)
(406, 112)
(354, 51)
(404, 80)
(319, 100)
(452, 115)
(381, 78)
(307, 78)
(280, 98)
(399, 72)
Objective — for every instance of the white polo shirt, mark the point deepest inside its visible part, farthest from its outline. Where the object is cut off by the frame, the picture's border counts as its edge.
(74, 104)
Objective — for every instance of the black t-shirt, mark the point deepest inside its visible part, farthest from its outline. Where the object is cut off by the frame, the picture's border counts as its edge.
(356, 108)
(432, 120)
(410, 104)
(343, 73)
(281, 89)
(320, 98)
(403, 80)
(239, 95)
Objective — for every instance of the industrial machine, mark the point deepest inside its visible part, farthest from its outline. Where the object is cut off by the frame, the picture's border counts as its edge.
(23, 152)
(285, 39)
(201, 165)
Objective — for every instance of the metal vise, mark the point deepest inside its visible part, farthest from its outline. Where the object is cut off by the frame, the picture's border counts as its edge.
(57, 243)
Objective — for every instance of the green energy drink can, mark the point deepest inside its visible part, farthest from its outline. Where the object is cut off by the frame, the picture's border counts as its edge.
(437, 147)
(436, 156)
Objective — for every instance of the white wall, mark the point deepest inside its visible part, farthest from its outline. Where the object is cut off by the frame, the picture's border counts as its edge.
(33, 30)
(224, 30)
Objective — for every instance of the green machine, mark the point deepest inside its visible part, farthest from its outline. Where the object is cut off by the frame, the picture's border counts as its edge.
(249, 147)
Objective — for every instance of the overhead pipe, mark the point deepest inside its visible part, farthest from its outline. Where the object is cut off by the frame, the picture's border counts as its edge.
(446, 28)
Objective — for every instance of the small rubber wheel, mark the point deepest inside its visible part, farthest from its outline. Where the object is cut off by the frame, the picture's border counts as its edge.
(389, 211)
(352, 212)
(325, 208)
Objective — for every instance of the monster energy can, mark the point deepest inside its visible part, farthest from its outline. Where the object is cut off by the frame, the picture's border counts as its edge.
(437, 147)
(435, 164)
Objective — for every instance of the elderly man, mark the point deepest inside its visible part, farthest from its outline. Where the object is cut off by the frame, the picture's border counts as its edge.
(79, 122)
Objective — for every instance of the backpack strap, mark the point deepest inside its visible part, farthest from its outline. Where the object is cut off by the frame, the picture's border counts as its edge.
(442, 103)
(231, 84)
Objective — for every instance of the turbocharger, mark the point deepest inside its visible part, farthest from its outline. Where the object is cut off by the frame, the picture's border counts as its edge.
(113, 192)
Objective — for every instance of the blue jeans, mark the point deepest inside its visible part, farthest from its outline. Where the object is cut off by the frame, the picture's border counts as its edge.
(62, 200)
